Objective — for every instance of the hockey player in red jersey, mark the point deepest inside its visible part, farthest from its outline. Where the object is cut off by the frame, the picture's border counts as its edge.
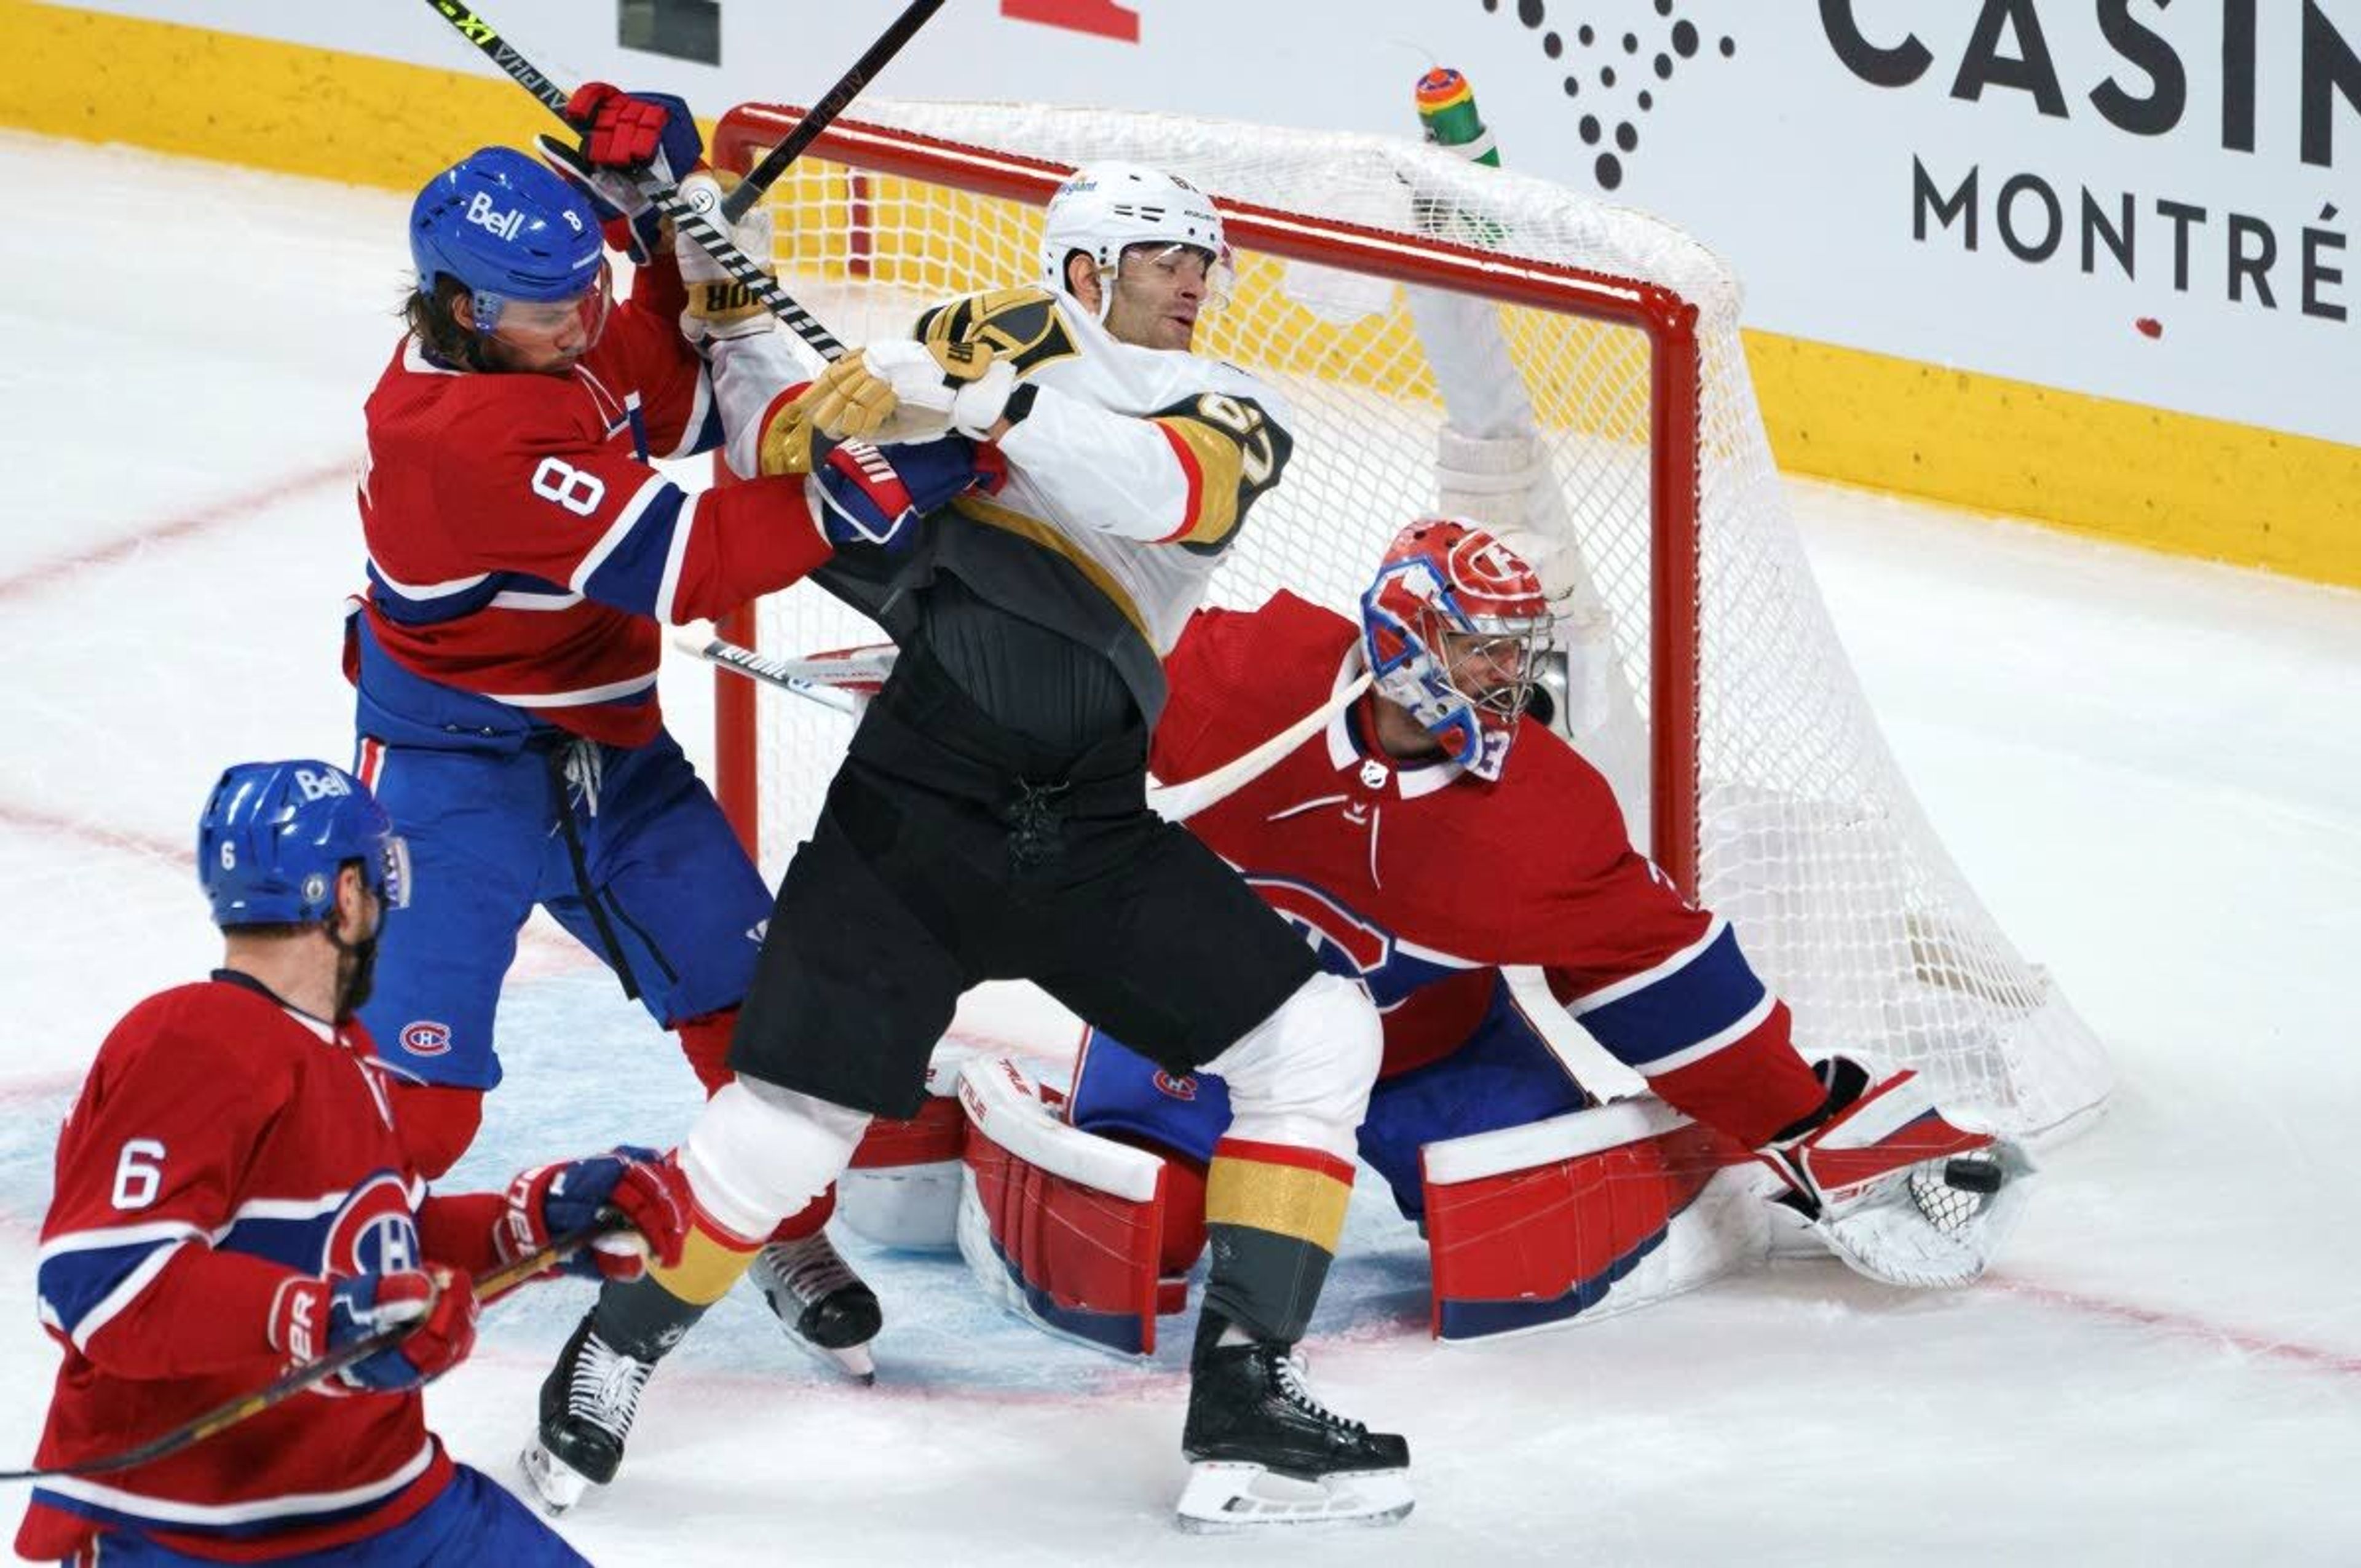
(1434, 834)
(233, 1201)
(521, 554)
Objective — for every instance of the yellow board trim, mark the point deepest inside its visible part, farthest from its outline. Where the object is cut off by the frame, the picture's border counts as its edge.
(1290, 1200)
(2118, 471)
(2114, 470)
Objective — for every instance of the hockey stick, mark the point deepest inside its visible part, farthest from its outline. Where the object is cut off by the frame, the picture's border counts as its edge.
(816, 680)
(686, 219)
(835, 681)
(816, 118)
(489, 1286)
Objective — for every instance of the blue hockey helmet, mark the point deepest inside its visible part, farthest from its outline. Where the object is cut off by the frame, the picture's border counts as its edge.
(506, 229)
(274, 835)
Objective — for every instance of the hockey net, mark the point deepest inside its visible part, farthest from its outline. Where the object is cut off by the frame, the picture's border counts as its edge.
(1705, 677)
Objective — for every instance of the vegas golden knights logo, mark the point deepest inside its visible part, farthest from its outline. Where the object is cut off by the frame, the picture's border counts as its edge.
(1021, 326)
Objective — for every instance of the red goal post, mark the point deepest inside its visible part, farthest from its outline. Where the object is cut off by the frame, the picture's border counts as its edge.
(1451, 337)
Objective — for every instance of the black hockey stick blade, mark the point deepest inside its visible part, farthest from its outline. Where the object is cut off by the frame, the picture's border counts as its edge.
(818, 118)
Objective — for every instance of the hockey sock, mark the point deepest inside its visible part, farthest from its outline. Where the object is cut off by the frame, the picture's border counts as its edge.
(643, 1319)
(1274, 1212)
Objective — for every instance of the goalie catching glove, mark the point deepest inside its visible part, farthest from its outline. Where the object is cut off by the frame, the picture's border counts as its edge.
(897, 390)
(1891, 1186)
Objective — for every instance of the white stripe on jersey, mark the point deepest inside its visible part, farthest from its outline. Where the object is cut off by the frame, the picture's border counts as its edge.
(669, 588)
(169, 1510)
(582, 698)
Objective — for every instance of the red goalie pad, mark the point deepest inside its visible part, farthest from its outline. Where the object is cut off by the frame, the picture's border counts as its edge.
(1062, 1227)
(1535, 1224)
(938, 1132)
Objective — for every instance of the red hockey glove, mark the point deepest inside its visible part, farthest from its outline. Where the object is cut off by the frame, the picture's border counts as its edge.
(654, 131)
(314, 1318)
(551, 1200)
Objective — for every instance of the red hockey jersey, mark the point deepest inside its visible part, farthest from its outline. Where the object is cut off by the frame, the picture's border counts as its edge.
(521, 548)
(1423, 881)
(223, 1143)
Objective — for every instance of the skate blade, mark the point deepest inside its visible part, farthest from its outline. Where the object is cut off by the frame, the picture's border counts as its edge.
(556, 1483)
(854, 1361)
(1223, 1496)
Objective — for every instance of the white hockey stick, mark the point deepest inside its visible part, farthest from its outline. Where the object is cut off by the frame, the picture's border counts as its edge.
(844, 681)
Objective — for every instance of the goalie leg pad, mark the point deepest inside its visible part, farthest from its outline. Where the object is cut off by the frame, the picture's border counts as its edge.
(1533, 1225)
(903, 1188)
(1061, 1227)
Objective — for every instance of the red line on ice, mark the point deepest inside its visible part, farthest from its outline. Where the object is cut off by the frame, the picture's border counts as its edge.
(2184, 1323)
(235, 509)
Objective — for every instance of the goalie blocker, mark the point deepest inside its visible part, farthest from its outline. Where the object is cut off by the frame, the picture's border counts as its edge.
(1596, 1211)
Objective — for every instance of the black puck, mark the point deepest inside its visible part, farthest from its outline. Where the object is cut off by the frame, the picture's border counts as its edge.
(1972, 1175)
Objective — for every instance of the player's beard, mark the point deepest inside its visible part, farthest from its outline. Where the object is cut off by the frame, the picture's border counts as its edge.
(356, 975)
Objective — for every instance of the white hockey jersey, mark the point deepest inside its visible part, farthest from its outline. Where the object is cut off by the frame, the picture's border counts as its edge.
(1137, 466)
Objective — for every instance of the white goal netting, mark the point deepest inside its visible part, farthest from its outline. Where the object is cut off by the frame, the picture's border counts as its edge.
(1766, 778)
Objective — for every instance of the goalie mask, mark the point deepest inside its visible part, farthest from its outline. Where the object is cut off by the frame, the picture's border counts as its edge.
(1106, 208)
(1455, 628)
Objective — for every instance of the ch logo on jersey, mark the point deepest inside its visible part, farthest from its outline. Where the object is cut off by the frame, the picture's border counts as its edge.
(426, 1037)
(374, 1231)
(1184, 1086)
(1347, 945)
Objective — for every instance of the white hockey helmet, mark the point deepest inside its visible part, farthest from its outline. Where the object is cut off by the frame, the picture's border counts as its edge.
(1109, 207)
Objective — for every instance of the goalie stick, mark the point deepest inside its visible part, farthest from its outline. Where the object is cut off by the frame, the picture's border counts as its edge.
(824, 680)
(714, 242)
(489, 1286)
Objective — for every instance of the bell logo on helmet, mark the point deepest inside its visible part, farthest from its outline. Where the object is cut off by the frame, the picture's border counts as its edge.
(319, 786)
(507, 223)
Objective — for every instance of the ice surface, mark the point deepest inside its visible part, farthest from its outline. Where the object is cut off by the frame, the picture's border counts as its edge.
(2148, 767)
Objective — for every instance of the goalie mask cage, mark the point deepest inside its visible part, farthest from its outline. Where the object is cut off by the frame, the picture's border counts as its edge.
(1707, 680)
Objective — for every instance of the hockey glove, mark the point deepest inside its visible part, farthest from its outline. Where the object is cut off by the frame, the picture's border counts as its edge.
(551, 1200)
(875, 496)
(719, 306)
(636, 131)
(900, 390)
(631, 223)
(314, 1318)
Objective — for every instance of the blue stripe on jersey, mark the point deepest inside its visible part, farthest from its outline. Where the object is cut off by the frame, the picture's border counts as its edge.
(1696, 1001)
(633, 574)
(407, 611)
(72, 1283)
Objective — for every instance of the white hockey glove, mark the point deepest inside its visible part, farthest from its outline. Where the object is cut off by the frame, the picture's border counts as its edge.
(719, 306)
(900, 391)
(1893, 1187)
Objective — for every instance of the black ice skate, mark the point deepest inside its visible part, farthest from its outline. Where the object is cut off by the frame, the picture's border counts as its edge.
(823, 1305)
(1265, 1451)
(588, 1402)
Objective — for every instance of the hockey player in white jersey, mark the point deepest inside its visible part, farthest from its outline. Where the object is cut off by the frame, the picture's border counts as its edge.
(989, 822)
